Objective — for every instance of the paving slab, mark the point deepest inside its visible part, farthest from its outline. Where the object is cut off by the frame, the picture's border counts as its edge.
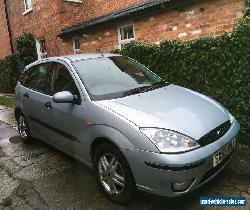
(7, 116)
(14, 150)
(7, 95)
(19, 203)
(7, 132)
(7, 185)
(32, 157)
(2, 154)
(3, 125)
(9, 165)
(55, 164)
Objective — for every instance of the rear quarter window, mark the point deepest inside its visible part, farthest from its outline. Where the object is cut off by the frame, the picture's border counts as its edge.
(24, 77)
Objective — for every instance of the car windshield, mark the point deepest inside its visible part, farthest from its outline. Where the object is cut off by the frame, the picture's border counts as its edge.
(115, 77)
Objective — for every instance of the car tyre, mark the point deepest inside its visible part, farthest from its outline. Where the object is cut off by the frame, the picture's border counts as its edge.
(23, 129)
(113, 174)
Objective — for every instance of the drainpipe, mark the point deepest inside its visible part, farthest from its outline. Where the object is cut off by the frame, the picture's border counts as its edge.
(8, 26)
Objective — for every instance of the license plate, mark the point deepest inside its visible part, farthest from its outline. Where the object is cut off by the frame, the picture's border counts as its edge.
(223, 152)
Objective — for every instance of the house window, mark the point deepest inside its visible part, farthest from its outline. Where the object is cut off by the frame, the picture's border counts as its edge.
(76, 46)
(27, 5)
(126, 35)
(41, 49)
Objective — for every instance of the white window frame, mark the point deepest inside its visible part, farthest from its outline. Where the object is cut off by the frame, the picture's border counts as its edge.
(27, 10)
(40, 55)
(125, 41)
(76, 51)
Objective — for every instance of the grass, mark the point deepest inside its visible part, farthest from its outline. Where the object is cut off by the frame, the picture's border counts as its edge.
(7, 101)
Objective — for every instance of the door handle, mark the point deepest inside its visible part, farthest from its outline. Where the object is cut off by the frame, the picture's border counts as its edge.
(48, 105)
(26, 95)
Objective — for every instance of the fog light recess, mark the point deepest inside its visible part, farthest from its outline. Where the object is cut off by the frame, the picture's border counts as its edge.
(181, 186)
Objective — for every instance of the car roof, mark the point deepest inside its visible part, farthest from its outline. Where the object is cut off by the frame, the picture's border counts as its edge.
(75, 57)
(88, 56)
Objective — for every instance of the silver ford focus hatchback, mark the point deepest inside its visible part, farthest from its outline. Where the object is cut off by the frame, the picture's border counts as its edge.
(135, 130)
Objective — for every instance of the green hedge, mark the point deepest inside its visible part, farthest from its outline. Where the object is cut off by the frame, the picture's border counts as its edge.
(9, 74)
(11, 66)
(26, 48)
(216, 66)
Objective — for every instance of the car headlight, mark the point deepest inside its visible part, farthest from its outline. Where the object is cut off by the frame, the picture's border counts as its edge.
(169, 141)
(231, 117)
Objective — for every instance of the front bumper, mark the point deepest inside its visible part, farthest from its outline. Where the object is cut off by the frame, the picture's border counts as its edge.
(155, 172)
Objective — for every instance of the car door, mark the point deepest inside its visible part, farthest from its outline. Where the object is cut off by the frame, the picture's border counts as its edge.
(68, 118)
(34, 99)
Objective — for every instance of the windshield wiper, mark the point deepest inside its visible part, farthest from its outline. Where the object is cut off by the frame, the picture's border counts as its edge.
(145, 88)
(160, 84)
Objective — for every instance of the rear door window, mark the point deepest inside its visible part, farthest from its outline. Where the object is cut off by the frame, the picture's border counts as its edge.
(37, 78)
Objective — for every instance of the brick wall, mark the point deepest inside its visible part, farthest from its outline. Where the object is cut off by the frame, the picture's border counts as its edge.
(74, 13)
(4, 37)
(209, 17)
(103, 40)
(48, 17)
(43, 21)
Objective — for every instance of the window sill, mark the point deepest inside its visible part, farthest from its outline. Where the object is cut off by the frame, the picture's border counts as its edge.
(74, 1)
(27, 11)
(125, 41)
(42, 56)
(77, 51)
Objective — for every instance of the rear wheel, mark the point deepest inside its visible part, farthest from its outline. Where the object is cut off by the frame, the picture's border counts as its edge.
(23, 129)
(113, 174)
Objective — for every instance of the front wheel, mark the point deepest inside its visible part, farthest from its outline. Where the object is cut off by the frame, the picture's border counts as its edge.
(113, 174)
(23, 129)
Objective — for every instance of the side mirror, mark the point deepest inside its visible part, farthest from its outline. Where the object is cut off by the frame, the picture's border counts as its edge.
(63, 97)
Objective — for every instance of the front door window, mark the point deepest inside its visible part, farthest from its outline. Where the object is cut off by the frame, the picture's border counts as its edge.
(61, 80)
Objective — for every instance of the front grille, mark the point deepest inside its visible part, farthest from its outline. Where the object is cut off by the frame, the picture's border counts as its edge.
(215, 134)
(214, 170)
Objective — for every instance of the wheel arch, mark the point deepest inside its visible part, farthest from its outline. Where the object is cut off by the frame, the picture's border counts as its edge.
(99, 141)
(103, 134)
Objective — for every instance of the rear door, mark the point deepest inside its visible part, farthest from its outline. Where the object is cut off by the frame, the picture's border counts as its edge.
(34, 99)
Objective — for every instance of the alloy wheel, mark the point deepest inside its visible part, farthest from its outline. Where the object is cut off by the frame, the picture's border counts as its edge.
(111, 174)
(23, 128)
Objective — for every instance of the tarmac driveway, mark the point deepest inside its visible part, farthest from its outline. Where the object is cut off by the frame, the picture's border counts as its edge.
(38, 177)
